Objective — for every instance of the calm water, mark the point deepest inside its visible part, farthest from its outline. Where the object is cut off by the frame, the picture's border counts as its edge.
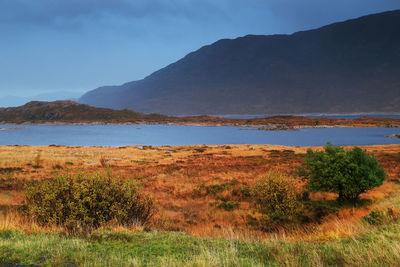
(158, 135)
(313, 115)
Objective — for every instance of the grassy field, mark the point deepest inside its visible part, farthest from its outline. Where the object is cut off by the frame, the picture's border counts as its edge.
(378, 246)
(202, 217)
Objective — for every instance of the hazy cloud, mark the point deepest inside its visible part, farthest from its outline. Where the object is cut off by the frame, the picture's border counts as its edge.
(60, 14)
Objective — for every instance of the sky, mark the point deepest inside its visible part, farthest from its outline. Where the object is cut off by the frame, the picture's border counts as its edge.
(58, 46)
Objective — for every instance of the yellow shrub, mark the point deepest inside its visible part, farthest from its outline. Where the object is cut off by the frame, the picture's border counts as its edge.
(277, 196)
(86, 202)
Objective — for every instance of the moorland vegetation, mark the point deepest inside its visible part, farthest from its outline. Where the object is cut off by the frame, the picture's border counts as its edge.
(182, 207)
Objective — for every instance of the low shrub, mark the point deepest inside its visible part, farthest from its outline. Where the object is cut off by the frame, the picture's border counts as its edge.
(376, 217)
(277, 197)
(214, 189)
(87, 202)
(242, 191)
(57, 167)
(228, 205)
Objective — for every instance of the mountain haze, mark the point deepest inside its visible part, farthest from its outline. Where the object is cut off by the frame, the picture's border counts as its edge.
(352, 66)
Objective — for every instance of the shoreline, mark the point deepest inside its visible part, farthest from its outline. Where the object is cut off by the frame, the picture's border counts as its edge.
(171, 151)
(260, 127)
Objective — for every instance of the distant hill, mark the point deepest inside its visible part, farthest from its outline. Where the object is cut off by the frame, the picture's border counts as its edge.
(352, 66)
(37, 112)
(69, 111)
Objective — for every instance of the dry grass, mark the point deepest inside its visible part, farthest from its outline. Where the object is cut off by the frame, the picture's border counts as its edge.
(190, 182)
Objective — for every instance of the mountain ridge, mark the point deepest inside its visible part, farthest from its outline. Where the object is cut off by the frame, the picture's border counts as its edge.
(328, 69)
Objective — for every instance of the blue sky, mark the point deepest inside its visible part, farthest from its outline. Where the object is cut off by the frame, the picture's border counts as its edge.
(78, 45)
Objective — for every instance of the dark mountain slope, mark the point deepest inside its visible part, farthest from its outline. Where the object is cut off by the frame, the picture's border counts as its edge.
(352, 66)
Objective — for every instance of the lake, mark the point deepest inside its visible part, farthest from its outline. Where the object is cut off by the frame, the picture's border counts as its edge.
(314, 115)
(159, 135)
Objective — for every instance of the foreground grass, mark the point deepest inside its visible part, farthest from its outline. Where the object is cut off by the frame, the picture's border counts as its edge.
(378, 246)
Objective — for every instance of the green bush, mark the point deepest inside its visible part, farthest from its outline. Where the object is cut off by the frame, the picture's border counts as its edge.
(348, 173)
(242, 191)
(377, 217)
(87, 201)
(228, 205)
(277, 196)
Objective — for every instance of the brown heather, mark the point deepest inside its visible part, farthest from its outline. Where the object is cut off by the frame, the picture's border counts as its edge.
(202, 190)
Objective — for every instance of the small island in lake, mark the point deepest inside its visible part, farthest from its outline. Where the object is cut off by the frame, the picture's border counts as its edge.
(70, 112)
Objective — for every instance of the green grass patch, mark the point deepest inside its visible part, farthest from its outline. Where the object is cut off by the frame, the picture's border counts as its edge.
(379, 246)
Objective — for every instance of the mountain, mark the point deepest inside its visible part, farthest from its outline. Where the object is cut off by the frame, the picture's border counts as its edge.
(13, 101)
(69, 111)
(351, 66)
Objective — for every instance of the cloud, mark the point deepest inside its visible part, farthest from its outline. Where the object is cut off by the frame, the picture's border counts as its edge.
(75, 13)
(318, 12)
(52, 45)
